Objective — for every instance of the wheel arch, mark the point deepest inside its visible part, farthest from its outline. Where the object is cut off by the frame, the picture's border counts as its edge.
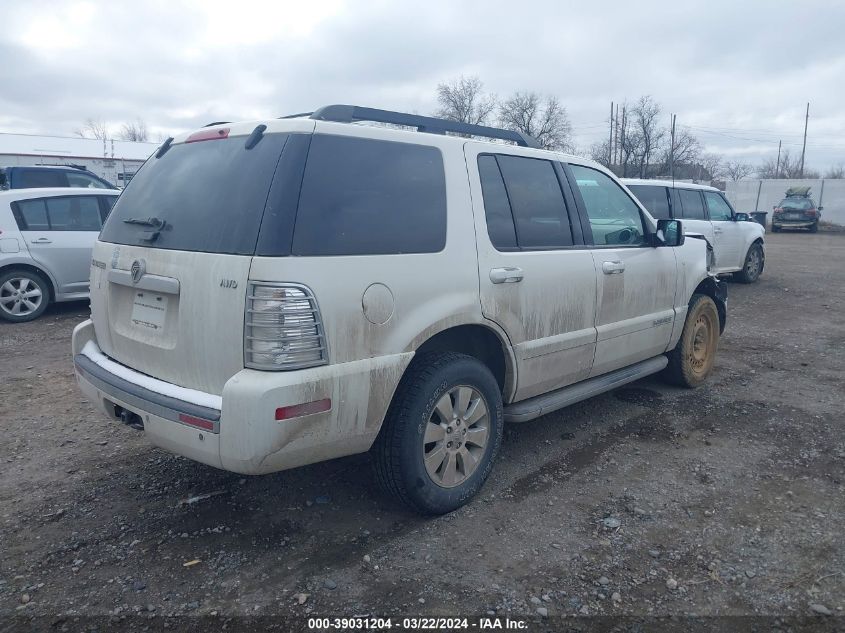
(484, 342)
(717, 291)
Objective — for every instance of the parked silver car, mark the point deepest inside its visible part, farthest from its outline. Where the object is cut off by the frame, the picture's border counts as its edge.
(46, 236)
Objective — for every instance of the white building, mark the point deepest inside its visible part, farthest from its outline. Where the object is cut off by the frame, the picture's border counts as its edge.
(116, 161)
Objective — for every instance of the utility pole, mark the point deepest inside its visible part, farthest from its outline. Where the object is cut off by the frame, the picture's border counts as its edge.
(616, 134)
(804, 147)
(672, 151)
(777, 165)
(622, 143)
(610, 141)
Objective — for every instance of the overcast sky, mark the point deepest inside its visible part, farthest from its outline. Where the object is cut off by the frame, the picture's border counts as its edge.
(739, 74)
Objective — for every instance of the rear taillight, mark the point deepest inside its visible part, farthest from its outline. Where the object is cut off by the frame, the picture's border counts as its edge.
(282, 328)
(811, 213)
(778, 210)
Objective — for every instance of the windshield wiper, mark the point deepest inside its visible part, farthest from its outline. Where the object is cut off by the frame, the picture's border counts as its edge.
(153, 222)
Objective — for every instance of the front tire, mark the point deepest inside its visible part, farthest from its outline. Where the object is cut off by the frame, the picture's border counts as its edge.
(441, 433)
(24, 296)
(752, 267)
(692, 360)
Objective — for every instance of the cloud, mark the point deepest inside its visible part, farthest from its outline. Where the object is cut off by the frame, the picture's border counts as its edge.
(738, 74)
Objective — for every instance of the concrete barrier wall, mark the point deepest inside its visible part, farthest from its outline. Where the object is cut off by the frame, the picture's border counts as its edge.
(762, 195)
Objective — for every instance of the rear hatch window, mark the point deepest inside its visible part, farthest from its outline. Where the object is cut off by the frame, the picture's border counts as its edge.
(206, 196)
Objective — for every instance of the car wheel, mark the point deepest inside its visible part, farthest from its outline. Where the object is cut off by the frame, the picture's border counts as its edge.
(441, 433)
(752, 268)
(24, 296)
(775, 229)
(691, 362)
(814, 228)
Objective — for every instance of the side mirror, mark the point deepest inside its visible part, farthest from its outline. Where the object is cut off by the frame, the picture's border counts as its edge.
(821, 208)
(742, 217)
(669, 233)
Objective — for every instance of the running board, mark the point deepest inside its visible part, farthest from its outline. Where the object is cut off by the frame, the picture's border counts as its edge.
(532, 408)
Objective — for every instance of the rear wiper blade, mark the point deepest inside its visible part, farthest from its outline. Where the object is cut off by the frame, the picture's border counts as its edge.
(154, 222)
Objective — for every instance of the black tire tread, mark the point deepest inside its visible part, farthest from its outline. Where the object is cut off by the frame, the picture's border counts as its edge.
(674, 372)
(741, 275)
(386, 451)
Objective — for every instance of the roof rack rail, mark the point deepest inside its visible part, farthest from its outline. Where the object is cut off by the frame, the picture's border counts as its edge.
(216, 123)
(432, 125)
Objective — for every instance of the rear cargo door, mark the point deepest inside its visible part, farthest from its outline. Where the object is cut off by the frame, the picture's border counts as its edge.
(170, 271)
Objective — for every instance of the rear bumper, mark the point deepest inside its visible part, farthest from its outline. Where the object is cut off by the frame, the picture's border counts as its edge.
(793, 224)
(238, 430)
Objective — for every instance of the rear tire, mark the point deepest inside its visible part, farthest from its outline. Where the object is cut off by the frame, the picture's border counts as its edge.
(24, 296)
(814, 228)
(775, 229)
(752, 267)
(441, 433)
(692, 360)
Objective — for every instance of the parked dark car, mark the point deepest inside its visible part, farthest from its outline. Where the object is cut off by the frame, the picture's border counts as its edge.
(31, 177)
(796, 211)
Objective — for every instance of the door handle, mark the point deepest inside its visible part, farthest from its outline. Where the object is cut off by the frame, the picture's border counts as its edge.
(717, 230)
(613, 268)
(42, 240)
(506, 275)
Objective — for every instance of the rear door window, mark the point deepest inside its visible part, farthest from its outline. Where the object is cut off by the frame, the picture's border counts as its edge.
(692, 204)
(654, 198)
(370, 197)
(65, 213)
(34, 178)
(536, 201)
(210, 195)
(74, 213)
(718, 208)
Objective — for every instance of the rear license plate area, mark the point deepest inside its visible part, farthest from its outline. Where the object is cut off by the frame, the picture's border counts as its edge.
(149, 311)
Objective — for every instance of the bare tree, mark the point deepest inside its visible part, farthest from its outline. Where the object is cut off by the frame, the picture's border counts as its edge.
(600, 152)
(737, 170)
(136, 131)
(644, 118)
(712, 164)
(546, 120)
(464, 100)
(687, 150)
(788, 167)
(93, 128)
(837, 171)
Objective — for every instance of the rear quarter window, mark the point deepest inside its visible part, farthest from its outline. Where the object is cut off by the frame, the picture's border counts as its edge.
(370, 197)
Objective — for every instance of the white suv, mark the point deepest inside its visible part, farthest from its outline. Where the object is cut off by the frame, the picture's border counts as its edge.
(737, 245)
(267, 295)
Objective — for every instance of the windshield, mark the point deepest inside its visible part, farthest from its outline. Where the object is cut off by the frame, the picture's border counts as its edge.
(206, 196)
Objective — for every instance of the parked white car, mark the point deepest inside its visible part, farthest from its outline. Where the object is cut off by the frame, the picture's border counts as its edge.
(269, 294)
(46, 236)
(738, 246)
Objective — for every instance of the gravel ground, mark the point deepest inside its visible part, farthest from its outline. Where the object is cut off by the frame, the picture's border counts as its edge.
(649, 500)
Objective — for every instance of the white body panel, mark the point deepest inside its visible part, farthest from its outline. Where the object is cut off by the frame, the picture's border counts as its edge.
(563, 322)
